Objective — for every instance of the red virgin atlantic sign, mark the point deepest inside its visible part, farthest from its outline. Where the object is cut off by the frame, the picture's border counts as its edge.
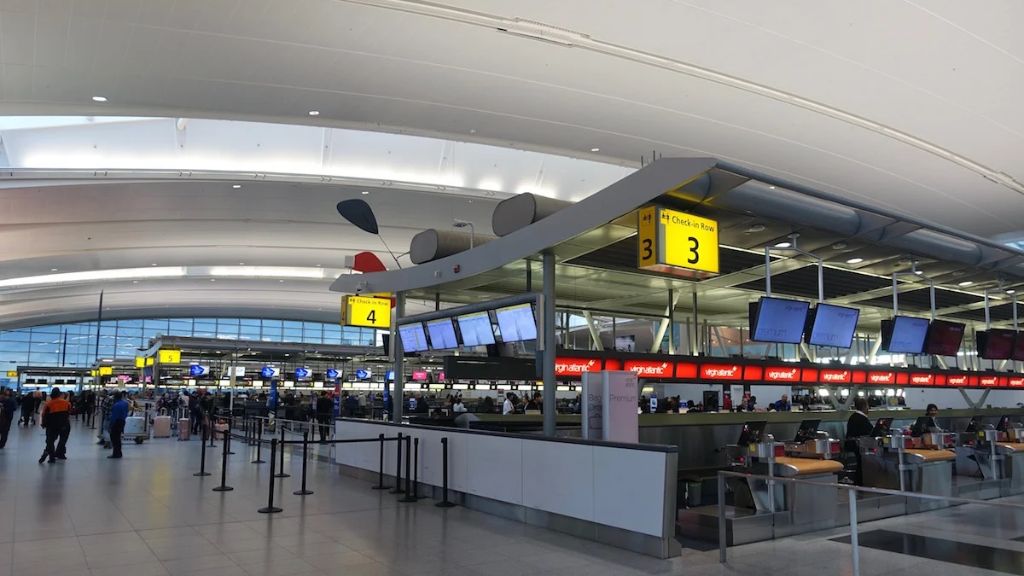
(832, 376)
(881, 377)
(575, 367)
(1015, 382)
(650, 368)
(957, 380)
(721, 372)
(782, 374)
(922, 379)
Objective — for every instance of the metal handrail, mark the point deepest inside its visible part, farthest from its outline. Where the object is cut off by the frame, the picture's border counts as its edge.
(854, 543)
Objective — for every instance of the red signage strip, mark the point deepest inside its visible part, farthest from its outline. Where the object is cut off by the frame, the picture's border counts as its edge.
(721, 371)
(651, 368)
(922, 379)
(575, 367)
(876, 377)
(782, 374)
(832, 376)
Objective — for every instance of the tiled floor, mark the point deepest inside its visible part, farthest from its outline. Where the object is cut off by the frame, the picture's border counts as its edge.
(147, 515)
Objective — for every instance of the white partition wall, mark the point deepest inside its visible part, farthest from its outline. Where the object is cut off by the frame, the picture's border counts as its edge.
(622, 494)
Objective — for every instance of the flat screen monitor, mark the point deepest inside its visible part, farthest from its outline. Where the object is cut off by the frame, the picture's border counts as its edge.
(419, 376)
(904, 335)
(517, 323)
(922, 425)
(414, 339)
(807, 430)
(1004, 423)
(476, 329)
(830, 325)
(944, 338)
(751, 433)
(1018, 346)
(996, 344)
(882, 427)
(778, 320)
(442, 334)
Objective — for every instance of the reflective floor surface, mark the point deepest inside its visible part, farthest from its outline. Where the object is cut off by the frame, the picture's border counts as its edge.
(148, 515)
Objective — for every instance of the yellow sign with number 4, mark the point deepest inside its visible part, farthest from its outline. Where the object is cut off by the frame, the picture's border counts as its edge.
(366, 311)
(676, 242)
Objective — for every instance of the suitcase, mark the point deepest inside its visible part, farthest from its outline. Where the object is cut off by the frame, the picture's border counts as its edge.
(135, 426)
(184, 429)
(162, 427)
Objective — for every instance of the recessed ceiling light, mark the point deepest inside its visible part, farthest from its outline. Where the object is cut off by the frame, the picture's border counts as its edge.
(213, 279)
(854, 260)
(595, 149)
(99, 98)
(1011, 291)
(281, 281)
(771, 187)
(135, 281)
(783, 245)
(314, 112)
(241, 263)
(365, 192)
(236, 186)
(153, 264)
(965, 283)
(53, 269)
(918, 272)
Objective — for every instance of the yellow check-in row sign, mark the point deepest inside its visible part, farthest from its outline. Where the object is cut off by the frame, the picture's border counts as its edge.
(676, 242)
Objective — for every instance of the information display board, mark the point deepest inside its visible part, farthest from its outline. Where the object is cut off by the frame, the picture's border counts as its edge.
(169, 356)
(517, 323)
(414, 339)
(366, 312)
(442, 334)
(676, 242)
(476, 329)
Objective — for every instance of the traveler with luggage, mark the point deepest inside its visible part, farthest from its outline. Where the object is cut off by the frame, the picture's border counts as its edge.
(118, 418)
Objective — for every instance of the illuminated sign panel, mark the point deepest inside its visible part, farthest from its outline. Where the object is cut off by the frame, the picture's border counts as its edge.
(676, 242)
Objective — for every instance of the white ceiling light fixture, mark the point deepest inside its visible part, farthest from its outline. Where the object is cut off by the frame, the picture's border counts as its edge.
(854, 260)
(965, 283)
(99, 98)
(595, 149)
(783, 244)
(365, 192)
(267, 272)
(236, 186)
(94, 276)
(1011, 291)
(314, 112)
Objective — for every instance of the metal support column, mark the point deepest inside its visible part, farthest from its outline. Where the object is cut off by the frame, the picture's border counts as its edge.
(549, 344)
(397, 398)
(696, 325)
(671, 321)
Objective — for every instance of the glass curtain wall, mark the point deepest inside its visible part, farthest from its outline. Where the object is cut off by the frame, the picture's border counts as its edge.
(74, 345)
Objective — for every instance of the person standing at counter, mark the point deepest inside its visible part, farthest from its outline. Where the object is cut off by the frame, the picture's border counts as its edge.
(783, 404)
(859, 424)
(508, 407)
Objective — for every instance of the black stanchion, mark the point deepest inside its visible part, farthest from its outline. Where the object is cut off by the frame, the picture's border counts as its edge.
(305, 460)
(270, 508)
(202, 461)
(409, 497)
(398, 469)
(227, 437)
(209, 419)
(380, 473)
(224, 464)
(281, 473)
(259, 443)
(444, 475)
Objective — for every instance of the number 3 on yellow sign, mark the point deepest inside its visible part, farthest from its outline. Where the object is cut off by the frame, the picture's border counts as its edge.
(676, 242)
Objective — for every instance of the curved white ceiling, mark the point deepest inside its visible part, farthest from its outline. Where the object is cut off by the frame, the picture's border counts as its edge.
(908, 105)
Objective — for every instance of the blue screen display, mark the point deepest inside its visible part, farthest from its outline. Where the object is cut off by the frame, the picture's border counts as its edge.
(780, 320)
(517, 323)
(442, 334)
(414, 339)
(833, 326)
(476, 329)
(907, 336)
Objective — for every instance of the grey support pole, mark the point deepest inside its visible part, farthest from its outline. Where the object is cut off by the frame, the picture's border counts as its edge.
(549, 344)
(397, 398)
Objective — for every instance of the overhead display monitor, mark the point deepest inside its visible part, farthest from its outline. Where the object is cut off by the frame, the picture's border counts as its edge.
(442, 334)
(944, 338)
(268, 372)
(517, 323)
(476, 329)
(830, 325)
(414, 339)
(778, 320)
(996, 344)
(904, 334)
(1018, 346)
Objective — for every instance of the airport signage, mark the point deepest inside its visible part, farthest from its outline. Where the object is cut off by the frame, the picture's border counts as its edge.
(957, 380)
(676, 242)
(1015, 382)
(777, 374)
(169, 356)
(575, 366)
(721, 372)
(881, 378)
(12, 373)
(366, 312)
(650, 369)
(831, 376)
(922, 379)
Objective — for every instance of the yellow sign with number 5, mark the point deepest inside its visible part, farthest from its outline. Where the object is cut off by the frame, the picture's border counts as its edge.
(676, 242)
(366, 311)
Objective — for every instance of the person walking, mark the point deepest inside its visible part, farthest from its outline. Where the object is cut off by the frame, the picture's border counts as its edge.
(55, 417)
(118, 418)
(324, 415)
(62, 443)
(8, 408)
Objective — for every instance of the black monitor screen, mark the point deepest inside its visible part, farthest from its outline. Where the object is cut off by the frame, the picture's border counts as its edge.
(1018, 346)
(414, 339)
(751, 433)
(476, 329)
(882, 427)
(904, 335)
(832, 326)
(517, 323)
(442, 334)
(807, 430)
(944, 338)
(996, 344)
(778, 320)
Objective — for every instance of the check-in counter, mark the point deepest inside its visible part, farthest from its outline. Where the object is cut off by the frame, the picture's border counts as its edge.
(903, 463)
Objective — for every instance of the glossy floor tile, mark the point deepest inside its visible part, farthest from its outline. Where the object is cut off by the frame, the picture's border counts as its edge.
(148, 515)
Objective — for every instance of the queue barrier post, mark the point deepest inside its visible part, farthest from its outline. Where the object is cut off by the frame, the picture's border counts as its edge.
(225, 446)
(408, 472)
(445, 503)
(227, 436)
(202, 458)
(398, 469)
(259, 443)
(281, 473)
(305, 460)
(270, 508)
(380, 471)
